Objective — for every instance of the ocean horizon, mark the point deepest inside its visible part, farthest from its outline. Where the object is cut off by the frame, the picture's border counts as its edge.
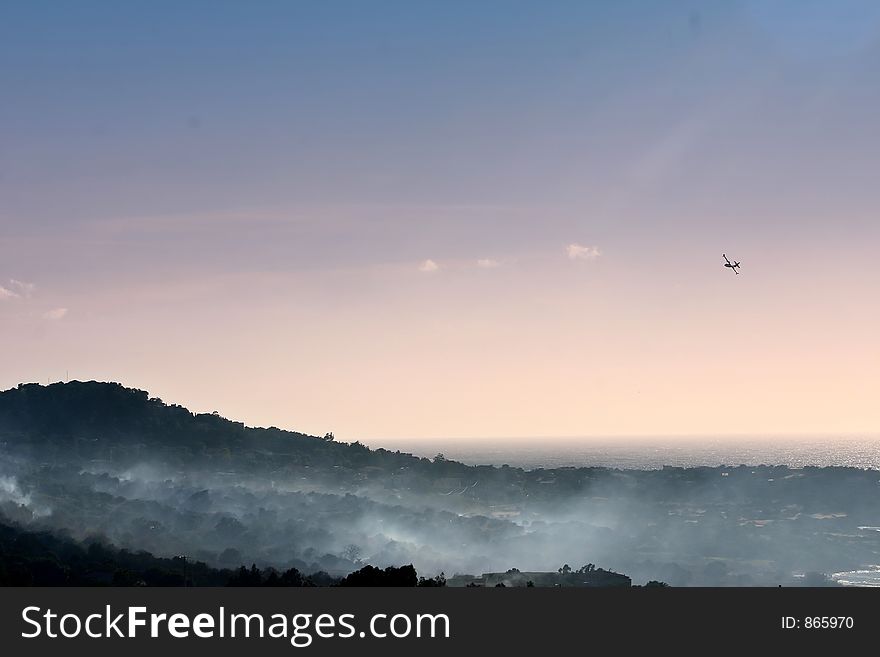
(645, 453)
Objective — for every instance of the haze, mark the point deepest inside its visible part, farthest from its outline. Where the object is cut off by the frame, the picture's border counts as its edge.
(431, 219)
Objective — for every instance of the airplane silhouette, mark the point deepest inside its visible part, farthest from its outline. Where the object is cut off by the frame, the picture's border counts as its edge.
(734, 265)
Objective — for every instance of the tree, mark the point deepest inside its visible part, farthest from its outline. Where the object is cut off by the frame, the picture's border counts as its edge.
(352, 552)
(245, 577)
(372, 576)
(438, 580)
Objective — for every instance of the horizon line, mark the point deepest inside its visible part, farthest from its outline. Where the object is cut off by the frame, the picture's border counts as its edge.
(684, 436)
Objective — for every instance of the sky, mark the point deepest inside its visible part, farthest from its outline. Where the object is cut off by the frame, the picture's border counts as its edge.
(449, 219)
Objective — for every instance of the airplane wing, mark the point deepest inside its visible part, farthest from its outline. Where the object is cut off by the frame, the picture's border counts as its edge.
(725, 258)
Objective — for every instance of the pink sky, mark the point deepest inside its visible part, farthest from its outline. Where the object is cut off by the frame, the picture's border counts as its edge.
(499, 224)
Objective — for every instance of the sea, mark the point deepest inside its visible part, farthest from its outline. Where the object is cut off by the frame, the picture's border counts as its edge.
(650, 453)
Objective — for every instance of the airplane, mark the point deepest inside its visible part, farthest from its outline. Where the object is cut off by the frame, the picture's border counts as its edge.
(734, 265)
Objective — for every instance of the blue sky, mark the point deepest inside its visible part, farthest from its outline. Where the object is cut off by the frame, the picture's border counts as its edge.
(236, 170)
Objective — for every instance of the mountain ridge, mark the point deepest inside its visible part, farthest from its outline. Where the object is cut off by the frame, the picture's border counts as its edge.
(93, 417)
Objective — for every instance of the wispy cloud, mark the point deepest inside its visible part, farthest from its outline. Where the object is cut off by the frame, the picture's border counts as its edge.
(16, 290)
(55, 314)
(487, 263)
(580, 252)
(23, 289)
(429, 266)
